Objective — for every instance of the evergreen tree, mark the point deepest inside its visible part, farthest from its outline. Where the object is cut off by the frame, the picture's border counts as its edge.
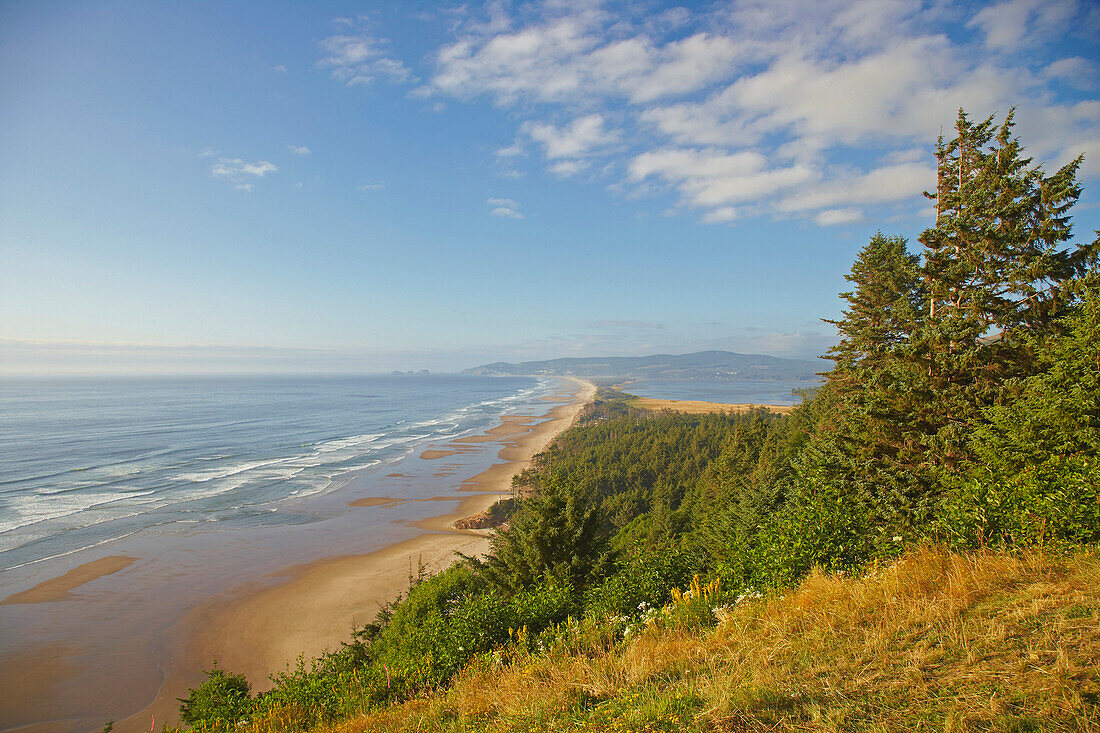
(555, 536)
(996, 269)
(1037, 479)
(874, 442)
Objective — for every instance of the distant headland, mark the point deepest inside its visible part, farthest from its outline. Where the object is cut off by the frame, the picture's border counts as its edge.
(700, 365)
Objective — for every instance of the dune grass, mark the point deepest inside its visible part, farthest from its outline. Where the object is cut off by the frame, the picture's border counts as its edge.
(937, 641)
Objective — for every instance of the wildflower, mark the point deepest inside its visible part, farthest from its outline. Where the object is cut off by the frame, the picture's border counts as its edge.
(723, 613)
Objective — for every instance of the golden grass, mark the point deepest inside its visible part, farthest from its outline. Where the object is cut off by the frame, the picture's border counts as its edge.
(937, 642)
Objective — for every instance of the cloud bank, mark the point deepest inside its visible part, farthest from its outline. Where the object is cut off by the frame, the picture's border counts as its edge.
(820, 111)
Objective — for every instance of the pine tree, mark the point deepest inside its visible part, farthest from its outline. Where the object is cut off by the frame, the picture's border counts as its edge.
(554, 537)
(874, 443)
(997, 271)
(1037, 477)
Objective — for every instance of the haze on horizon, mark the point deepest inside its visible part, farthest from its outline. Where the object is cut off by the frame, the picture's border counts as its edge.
(360, 187)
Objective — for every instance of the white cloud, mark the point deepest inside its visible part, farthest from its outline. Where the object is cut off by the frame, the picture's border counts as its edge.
(370, 187)
(1010, 25)
(567, 168)
(711, 178)
(232, 167)
(582, 137)
(766, 107)
(567, 55)
(832, 217)
(722, 215)
(299, 149)
(504, 208)
(1075, 71)
(513, 150)
(241, 173)
(886, 184)
(359, 57)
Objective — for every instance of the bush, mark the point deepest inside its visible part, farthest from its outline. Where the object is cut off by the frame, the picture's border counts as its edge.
(1053, 503)
(334, 686)
(643, 578)
(818, 526)
(220, 702)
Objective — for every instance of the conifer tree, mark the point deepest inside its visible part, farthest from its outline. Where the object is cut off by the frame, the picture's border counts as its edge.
(554, 537)
(874, 443)
(997, 270)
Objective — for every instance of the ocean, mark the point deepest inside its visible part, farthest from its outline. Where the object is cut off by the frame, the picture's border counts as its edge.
(86, 462)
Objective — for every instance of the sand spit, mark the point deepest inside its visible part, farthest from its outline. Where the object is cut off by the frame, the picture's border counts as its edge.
(59, 588)
(696, 407)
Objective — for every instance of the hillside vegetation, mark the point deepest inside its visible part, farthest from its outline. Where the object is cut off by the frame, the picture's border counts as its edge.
(936, 641)
(912, 547)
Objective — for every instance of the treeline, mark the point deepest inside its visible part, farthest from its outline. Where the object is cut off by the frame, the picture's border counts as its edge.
(962, 409)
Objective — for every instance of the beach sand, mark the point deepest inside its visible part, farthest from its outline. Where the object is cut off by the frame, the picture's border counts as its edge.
(260, 628)
(368, 501)
(59, 588)
(697, 407)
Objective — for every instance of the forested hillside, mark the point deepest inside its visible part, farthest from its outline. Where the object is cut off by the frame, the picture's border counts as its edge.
(958, 429)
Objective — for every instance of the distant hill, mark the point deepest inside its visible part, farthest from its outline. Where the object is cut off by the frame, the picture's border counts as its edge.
(701, 365)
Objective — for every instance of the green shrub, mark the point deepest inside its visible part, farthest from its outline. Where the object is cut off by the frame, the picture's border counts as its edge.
(1056, 503)
(641, 578)
(817, 526)
(220, 702)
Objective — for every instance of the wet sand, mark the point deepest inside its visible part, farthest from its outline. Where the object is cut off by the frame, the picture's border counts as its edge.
(59, 588)
(368, 501)
(259, 628)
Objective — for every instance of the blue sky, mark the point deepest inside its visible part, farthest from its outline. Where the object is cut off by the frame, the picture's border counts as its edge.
(367, 186)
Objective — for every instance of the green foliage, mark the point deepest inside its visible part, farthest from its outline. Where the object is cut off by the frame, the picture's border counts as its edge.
(329, 688)
(1038, 476)
(220, 702)
(642, 579)
(555, 536)
(448, 618)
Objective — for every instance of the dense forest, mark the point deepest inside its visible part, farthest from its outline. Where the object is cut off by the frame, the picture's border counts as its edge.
(961, 411)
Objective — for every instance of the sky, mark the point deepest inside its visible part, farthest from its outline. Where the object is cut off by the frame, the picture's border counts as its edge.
(367, 186)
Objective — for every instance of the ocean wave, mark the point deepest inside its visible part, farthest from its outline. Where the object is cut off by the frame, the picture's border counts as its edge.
(117, 482)
(28, 510)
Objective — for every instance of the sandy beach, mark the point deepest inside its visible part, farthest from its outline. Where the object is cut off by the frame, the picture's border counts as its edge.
(259, 628)
(697, 407)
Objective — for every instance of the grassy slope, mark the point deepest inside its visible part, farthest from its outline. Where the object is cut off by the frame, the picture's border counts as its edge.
(935, 642)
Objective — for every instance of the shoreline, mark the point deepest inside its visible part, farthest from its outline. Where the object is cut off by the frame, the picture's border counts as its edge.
(258, 628)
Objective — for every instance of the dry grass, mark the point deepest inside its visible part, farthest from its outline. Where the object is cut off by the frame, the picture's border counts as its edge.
(937, 642)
